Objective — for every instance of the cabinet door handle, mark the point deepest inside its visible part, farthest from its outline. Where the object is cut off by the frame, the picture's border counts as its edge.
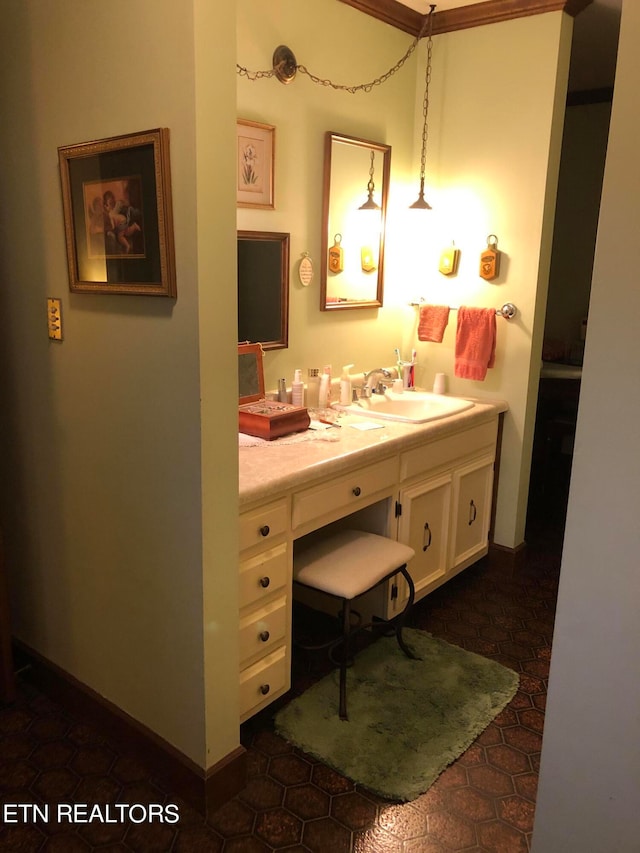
(473, 512)
(264, 530)
(265, 581)
(264, 636)
(265, 688)
(357, 491)
(426, 537)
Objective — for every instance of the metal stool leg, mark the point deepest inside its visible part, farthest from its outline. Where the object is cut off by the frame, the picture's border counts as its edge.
(346, 632)
(399, 620)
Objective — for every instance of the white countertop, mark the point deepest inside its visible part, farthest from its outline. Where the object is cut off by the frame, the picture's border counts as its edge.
(269, 470)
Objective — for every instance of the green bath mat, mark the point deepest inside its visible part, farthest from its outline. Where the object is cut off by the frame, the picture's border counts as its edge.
(408, 719)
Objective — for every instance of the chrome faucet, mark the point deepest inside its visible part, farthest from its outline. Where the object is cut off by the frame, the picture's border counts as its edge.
(370, 386)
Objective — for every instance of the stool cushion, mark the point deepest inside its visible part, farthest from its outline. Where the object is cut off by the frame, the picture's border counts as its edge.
(350, 562)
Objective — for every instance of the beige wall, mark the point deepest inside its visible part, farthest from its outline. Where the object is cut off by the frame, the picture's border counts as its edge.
(495, 125)
(102, 494)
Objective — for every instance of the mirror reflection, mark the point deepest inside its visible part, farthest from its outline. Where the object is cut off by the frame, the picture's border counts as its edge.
(356, 185)
(263, 288)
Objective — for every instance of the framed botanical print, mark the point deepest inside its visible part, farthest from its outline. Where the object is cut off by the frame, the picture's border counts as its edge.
(256, 160)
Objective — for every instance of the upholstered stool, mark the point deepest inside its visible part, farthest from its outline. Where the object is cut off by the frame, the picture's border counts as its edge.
(345, 565)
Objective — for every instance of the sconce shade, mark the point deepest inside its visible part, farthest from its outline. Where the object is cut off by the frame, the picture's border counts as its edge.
(370, 203)
(420, 203)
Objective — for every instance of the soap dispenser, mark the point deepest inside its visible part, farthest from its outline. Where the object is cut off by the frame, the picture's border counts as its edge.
(345, 385)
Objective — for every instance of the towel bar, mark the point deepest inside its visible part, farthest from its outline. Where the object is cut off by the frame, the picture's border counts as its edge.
(508, 310)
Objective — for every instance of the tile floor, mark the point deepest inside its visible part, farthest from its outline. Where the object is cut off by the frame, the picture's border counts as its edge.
(483, 802)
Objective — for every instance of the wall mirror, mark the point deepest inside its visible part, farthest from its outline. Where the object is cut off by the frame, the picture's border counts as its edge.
(263, 288)
(354, 207)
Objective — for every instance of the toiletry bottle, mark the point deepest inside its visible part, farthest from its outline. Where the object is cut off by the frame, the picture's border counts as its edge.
(345, 385)
(282, 390)
(313, 387)
(323, 393)
(297, 389)
(327, 370)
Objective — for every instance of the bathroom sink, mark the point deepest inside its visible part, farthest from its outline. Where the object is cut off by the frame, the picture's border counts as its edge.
(413, 407)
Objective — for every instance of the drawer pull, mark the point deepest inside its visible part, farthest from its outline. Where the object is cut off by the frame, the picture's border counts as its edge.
(264, 636)
(264, 530)
(265, 581)
(473, 512)
(265, 688)
(357, 491)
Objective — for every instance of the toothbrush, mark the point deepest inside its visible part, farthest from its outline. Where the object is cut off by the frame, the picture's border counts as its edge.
(414, 357)
(398, 362)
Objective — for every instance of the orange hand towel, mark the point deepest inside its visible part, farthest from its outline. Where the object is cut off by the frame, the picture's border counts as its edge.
(475, 342)
(433, 321)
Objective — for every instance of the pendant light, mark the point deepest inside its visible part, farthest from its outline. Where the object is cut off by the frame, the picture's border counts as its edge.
(370, 203)
(421, 203)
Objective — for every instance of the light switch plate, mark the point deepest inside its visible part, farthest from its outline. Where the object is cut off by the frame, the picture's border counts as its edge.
(54, 318)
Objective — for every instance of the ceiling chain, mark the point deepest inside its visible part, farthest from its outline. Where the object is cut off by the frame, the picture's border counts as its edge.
(362, 87)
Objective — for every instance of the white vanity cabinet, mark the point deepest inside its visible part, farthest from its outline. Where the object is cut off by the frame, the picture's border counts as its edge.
(265, 606)
(424, 511)
(472, 490)
(444, 506)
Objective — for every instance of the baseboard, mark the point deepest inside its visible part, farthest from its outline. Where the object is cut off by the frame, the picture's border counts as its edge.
(204, 790)
(511, 558)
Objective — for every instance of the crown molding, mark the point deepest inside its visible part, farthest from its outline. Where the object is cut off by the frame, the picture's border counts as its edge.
(464, 17)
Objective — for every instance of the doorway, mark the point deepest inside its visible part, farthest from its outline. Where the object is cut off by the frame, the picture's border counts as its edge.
(584, 148)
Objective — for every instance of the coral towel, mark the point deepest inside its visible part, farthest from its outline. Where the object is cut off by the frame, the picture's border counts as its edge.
(475, 342)
(433, 321)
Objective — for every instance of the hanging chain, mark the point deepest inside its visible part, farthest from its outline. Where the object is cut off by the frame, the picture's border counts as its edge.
(362, 87)
(253, 75)
(425, 103)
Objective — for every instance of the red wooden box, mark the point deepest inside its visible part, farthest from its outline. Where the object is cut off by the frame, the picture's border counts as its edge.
(257, 416)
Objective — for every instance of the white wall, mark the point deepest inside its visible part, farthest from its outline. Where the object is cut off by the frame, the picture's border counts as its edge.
(590, 773)
(101, 487)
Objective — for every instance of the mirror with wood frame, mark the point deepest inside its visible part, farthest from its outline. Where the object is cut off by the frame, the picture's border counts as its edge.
(263, 288)
(356, 186)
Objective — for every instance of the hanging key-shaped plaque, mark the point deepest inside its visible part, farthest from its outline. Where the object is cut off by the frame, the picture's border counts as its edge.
(490, 259)
(336, 263)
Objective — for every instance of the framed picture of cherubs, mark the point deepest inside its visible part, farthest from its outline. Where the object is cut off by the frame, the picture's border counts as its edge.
(256, 159)
(118, 221)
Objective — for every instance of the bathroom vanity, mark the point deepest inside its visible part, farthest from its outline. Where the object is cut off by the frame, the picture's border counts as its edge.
(429, 485)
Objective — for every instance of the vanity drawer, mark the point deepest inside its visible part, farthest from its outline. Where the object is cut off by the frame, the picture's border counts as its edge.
(263, 574)
(260, 683)
(338, 496)
(262, 630)
(261, 525)
(449, 450)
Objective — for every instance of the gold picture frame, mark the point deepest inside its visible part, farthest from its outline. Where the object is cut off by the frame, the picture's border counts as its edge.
(255, 164)
(118, 220)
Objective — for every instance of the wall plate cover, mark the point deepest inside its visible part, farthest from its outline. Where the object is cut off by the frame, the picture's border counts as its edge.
(54, 318)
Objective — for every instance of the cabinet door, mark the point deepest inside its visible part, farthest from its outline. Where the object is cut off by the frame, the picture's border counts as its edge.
(472, 487)
(424, 525)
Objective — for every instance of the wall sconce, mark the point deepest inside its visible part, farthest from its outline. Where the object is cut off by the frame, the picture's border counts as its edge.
(421, 203)
(370, 203)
